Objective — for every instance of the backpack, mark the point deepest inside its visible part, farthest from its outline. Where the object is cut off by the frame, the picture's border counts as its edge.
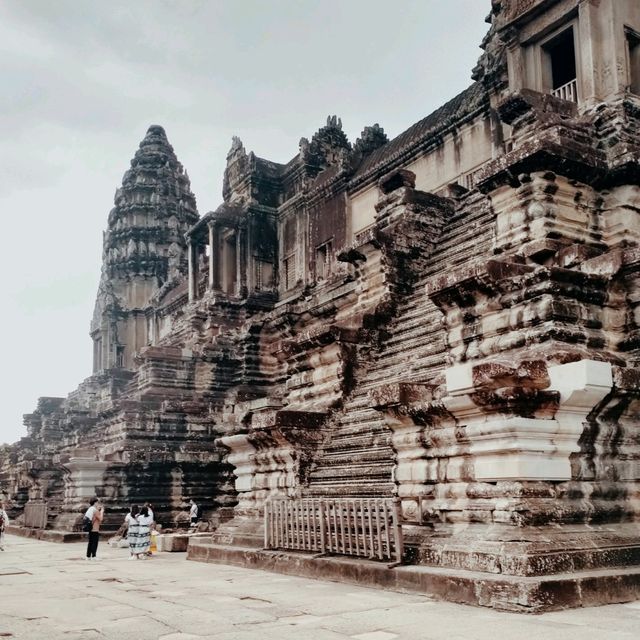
(87, 524)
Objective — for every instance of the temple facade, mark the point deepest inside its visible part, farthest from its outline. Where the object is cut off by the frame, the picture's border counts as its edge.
(410, 362)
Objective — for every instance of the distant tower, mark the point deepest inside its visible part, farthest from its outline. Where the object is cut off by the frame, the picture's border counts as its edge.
(143, 247)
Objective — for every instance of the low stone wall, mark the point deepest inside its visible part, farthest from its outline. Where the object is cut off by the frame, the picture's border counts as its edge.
(48, 535)
(507, 593)
(172, 542)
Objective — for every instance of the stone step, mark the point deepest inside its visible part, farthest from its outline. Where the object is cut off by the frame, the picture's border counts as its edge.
(414, 331)
(499, 591)
(343, 490)
(373, 452)
(363, 414)
(351, 474)
(348, 435)
(358, 401)
(356, 440)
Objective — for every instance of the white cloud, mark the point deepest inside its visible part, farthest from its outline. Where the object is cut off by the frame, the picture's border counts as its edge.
(80, 82)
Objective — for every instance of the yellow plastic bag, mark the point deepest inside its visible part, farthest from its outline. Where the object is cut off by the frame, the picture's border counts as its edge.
(153, 547)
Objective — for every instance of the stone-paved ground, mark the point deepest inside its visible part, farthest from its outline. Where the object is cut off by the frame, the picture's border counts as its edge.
(48, 591)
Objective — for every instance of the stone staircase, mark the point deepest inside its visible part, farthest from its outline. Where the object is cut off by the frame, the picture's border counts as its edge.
(358, 459)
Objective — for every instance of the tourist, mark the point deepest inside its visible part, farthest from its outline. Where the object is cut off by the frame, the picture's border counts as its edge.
(4, 521)
(150, 510)
(145, 521)
(153, 525)
(193, 513)
(95, 514)
(133, 531)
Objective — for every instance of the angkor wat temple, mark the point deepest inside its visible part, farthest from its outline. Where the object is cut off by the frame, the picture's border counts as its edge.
(439, 333)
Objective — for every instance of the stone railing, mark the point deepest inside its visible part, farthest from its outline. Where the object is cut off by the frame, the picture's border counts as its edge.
(568, 91)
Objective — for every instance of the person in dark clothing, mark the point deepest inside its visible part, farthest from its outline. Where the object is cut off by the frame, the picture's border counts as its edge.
(95, 513)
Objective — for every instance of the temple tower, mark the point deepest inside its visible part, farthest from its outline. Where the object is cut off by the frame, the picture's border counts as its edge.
(143, 249)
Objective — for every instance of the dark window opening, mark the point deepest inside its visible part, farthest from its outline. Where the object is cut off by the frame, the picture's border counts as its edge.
(323, 261)
(263, 275)
(633, 40)
(258, 275)
(560, 66)
(229, 275)
(289, 272)
(120, 356)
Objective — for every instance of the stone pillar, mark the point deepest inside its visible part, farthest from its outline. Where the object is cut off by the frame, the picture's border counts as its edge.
(193, 270)
(238, 282)
(97, 354)
(249, 259)
(83, 480)
(213, 256)
(516, 66)
(586, 55)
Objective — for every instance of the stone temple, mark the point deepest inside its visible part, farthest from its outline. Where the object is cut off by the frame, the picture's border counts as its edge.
(411, 362)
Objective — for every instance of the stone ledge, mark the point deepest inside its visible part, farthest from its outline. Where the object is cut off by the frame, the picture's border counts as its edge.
(51, 535)
(529, 551)
(178, 542)
(503, 592)
(171, 542)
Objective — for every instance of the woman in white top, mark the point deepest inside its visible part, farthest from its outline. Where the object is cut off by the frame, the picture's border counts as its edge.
(4, 521)
(193, 513)
(145, 520)
(133, 531)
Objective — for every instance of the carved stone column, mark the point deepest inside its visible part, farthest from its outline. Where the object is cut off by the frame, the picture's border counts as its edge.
(83, 480)
(213, 256)
(192, 252)
(240, 261)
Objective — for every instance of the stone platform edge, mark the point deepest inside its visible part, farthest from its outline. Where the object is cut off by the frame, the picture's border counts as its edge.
(52, 535)
(499, 591)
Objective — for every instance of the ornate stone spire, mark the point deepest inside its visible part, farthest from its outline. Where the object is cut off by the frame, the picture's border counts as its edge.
(153, 209)
(327, 147)
(370, 139)
(491, 68)
(144, 243)
(238, 165)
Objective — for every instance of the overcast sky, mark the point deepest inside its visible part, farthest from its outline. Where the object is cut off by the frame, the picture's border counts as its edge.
(81, 80)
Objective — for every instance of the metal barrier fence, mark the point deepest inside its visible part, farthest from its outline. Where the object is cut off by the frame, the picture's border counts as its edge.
(362, 527)
(35, 515)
